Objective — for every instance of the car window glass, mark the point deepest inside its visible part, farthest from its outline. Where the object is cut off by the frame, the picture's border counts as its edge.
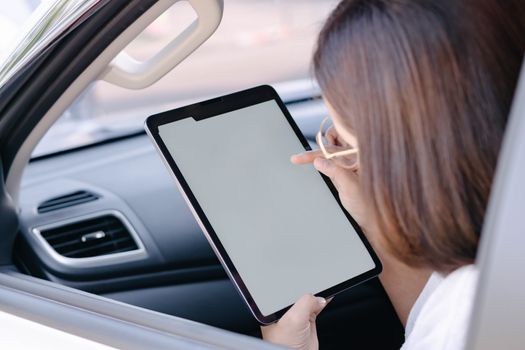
(257, 42)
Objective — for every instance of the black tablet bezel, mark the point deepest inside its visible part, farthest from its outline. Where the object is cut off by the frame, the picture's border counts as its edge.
(218, 106)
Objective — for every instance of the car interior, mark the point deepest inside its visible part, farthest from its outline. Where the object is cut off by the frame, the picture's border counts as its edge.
(100, 213)
(165, 264)
(105, 217)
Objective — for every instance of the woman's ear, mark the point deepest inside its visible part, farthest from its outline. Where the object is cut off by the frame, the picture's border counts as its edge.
(346, 135)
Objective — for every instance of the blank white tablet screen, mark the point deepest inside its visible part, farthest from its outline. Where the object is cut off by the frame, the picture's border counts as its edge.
(279, 223)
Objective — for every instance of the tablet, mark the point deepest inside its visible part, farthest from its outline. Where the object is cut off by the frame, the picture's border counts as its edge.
(279, 229)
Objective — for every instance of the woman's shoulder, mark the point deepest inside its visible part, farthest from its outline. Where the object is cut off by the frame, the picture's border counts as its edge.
(443, 318)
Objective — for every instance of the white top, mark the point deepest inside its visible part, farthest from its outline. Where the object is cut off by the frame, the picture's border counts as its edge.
(440, 316)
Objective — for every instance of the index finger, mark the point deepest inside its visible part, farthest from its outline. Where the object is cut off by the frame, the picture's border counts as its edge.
(306, 157)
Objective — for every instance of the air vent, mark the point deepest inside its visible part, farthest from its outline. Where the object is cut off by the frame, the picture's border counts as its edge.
(93, 237)
(66, 200)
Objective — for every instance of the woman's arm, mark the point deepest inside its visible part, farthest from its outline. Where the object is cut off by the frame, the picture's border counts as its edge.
(402, 283)
(297, 328)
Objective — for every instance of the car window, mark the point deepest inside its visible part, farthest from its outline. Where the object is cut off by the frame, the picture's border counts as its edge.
(257, 42)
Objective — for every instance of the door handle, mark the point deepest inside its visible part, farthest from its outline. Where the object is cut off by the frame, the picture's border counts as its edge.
(130, 73)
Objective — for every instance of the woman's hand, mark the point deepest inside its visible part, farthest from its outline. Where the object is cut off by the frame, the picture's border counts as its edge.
(296, 328)
(345, 180)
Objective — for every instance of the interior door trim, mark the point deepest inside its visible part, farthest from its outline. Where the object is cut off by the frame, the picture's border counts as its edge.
(111, 322)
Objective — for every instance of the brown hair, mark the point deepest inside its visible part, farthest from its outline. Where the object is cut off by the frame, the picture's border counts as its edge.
(426, 87)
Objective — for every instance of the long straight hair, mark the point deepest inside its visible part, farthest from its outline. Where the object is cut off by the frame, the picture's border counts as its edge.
(426, 87)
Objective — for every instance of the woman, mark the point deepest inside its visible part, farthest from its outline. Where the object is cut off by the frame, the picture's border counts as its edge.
(423, 88)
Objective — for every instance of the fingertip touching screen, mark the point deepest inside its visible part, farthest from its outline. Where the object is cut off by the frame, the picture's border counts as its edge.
(279, 223)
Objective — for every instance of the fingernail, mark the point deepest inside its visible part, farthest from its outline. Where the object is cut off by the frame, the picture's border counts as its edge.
(321, 301)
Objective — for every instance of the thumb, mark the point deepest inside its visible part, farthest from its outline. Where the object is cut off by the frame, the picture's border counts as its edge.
(306, 308)
(326, 167)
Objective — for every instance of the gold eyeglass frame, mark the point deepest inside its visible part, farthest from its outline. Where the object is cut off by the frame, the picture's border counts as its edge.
(326, 154)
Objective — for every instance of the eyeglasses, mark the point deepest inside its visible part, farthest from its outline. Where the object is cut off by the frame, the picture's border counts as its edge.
(347, 158)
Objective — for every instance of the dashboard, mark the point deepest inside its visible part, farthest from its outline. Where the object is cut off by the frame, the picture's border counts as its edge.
(108, 219)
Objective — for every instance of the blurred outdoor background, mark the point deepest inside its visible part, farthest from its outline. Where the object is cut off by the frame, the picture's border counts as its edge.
(258, 42)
